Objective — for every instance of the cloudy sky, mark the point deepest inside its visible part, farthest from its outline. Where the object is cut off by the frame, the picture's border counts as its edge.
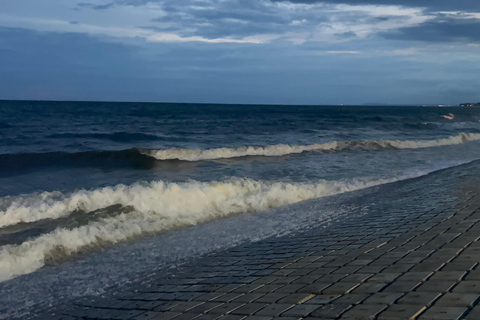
(242, 51)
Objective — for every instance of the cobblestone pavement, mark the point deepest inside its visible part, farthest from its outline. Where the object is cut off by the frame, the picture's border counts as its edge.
(414, 256)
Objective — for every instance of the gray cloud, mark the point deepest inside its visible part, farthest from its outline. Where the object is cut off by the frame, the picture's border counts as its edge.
(443, 29)
(96, 6)
(238, 19)
(472, 5)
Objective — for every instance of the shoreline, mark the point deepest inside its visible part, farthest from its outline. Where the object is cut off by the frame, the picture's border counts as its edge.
(396, 260)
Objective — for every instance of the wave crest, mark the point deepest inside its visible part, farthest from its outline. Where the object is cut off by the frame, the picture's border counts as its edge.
(285, 149)
(155, 207)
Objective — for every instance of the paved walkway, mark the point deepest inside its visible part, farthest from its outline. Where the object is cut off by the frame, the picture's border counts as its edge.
(413, 256)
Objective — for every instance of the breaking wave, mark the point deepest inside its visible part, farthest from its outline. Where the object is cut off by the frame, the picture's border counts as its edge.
(152, 207)
(284, 149)
(146, 158)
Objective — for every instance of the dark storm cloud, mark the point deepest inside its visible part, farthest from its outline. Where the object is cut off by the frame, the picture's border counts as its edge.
(440, 30)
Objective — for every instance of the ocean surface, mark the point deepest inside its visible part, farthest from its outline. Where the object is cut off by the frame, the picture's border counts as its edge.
(94, 195)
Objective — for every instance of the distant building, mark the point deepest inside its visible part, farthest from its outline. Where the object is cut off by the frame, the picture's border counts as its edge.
(470, 104)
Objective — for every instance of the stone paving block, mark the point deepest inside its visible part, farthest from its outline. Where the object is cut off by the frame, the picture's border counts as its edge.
(405, 286)
(359, 262)
(265, 280)
(410, 260)
(186, 316)
(473, 275)
(421, 253)
(341, 288)
(307, 279)
(474, 314)
(249, 309)
(274, 310)
(383, 277)
(227, 297)
(450, 275)
(419, 298)
(205, 307)
(436, 286)
(364, 311)
(458, 300)
(415, 276)
(185, 306)
(330, 311)
(460, 266)
(301, 272)
(347, 270)
(466, 257)
(351, 298)
(315, 288)
(398, 268)
(371, 287)
(285, 280)
(271, 297)
(385, 298)
(331, 278)
(446, 313)
(166, 305)
(296, 298)
(468, 287)
(427, 265)
(247, 288)
(323, 299)
(248, 297)
(282, 272)
(396, 312)
(230, 287)
(302, 310)
(289, 288)
(357, 277)
(268, 288)
(226, 308)
(371, 269)
(323, 271)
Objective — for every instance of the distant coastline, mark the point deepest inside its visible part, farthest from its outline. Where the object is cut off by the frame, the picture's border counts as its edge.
(470, 104)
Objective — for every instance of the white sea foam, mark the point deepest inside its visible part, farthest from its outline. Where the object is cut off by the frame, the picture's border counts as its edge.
(284, 149)
(157, 207)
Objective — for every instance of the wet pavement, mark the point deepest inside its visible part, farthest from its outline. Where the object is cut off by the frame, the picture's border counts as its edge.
(413, 254)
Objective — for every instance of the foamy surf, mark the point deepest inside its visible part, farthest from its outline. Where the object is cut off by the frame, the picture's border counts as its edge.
(285, 149)
(155, 207)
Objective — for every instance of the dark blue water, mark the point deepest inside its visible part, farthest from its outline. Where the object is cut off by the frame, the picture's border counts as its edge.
(78, 179)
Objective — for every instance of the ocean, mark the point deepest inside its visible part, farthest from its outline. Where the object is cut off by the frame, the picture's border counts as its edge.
(95, 196)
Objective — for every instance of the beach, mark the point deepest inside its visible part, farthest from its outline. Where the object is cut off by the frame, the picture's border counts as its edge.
(412, 253)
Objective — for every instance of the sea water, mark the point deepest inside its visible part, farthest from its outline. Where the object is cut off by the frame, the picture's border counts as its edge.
(94, 195)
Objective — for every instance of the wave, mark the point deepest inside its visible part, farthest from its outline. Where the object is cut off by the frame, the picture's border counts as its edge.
(151, 208)
(146, 158)
(284, 149)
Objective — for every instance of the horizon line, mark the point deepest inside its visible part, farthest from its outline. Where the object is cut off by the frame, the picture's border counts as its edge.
(240, 104)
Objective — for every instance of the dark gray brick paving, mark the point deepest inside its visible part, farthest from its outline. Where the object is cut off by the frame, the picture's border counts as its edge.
(415, 254)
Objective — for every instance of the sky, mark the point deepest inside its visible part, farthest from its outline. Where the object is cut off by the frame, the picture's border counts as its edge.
(241, 51)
